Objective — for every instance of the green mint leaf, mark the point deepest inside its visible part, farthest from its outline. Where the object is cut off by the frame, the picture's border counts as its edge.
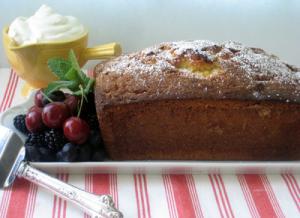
(72, 75)
(59, 67)
(73, 60)
(89, 87)
(56, 85)
(84, 79)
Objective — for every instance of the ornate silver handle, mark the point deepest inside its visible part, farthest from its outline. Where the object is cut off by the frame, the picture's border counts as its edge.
(97, 206)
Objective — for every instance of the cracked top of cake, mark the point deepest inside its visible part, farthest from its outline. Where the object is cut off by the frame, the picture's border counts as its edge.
(196, 69)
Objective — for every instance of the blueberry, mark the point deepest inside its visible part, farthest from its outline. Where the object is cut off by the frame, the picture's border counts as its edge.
(60, 156)
(69, 153)
(54, 96)
(85, 153)
(32, 154)
(99, 155)
(47, 154)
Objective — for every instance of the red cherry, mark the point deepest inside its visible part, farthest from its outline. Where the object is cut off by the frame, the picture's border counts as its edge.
(38, 98)
(72, 102)
(76, 130)
(54, 114)
(33, 121)
(35, 108)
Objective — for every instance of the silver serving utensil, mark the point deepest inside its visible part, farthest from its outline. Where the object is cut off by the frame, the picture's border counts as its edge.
(12, 165)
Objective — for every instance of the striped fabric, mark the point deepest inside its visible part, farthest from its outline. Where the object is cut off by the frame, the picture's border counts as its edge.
(145, 196)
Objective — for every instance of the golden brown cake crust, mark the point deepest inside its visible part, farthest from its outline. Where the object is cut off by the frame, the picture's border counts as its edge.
(198, 129)
(196, 69)
(199, 100)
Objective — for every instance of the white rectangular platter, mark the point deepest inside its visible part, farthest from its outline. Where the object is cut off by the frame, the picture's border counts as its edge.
(156, 167)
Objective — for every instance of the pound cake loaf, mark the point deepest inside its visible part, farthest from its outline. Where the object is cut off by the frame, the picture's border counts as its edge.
(199, 100)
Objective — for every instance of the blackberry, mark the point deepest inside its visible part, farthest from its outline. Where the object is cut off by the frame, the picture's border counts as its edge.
(54, 139)
(35, 139)
(19, 123)
(32, 154)
(39, 154)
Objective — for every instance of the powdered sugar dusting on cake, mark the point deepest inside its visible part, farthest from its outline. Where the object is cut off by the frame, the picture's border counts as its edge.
(263, 67)
(255, 62)
(182, 46)
(233, 46)
(244, 72)
(134, 64)
(162, 56)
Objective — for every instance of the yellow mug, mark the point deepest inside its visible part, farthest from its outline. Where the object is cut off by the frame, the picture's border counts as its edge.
(30, 61)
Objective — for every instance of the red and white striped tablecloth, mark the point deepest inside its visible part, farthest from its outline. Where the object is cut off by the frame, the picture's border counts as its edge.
(143, 195)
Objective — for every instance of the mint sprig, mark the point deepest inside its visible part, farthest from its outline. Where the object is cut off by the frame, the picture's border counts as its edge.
(70, 76)
(59, 66)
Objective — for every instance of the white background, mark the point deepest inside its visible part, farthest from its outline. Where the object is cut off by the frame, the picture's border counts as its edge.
(271, 24)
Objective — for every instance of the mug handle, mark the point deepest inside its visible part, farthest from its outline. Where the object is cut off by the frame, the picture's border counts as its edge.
(102, 51)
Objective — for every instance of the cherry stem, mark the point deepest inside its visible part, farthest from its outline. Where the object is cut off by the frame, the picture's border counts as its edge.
(81, 102)
(49, 99)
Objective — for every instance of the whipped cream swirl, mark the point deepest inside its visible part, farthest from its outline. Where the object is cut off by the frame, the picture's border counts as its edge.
(45, 26)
